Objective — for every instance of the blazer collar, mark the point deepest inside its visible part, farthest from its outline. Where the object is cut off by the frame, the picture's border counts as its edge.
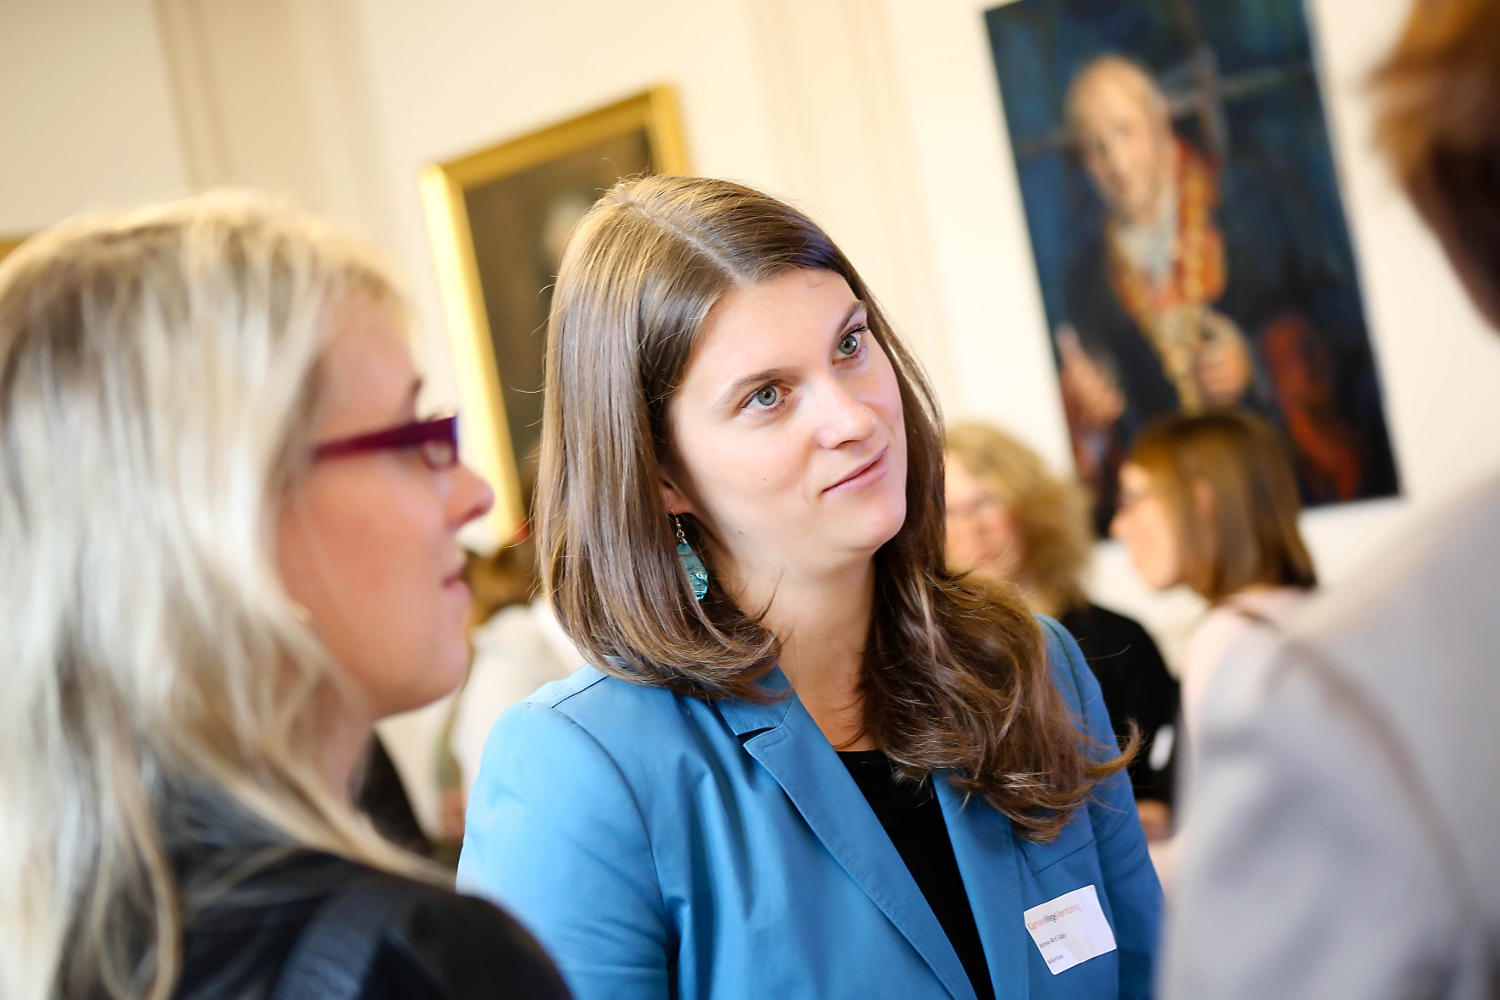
(786, 741)
(745, 718)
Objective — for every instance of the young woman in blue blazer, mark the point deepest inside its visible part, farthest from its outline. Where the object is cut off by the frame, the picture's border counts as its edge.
(805, 761)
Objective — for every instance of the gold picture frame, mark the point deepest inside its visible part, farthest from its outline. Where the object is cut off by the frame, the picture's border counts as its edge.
(9, 243)
(497, 219)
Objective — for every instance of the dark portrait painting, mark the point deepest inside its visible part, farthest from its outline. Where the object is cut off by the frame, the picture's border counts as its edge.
(500, 219)
(1188, 231)
(520, 225)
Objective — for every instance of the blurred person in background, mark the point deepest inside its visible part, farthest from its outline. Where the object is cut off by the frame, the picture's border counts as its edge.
(1210, 501)
(518, 646)
(227, 546)
(805, 760)
(1345, 803)
(1010, 520)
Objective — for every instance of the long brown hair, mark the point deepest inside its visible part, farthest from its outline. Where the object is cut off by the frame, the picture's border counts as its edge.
(1051, 513)
(953, 678)
(1246, 535)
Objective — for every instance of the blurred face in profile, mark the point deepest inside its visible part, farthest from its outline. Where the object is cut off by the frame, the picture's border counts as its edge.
(367, 542)
(789, 444)
(1124, 140)
(1145, 526)
(982, 535)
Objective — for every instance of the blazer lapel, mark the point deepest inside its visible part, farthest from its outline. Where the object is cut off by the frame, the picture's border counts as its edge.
(987, 855)
(786, 741)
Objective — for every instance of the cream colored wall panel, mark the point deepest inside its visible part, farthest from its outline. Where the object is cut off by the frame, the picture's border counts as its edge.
(87, 120)
(457, 75)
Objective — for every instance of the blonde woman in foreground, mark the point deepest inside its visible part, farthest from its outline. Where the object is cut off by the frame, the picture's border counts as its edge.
(226, 548)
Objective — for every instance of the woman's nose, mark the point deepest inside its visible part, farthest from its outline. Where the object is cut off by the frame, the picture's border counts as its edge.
(844, 417)
(472, 496)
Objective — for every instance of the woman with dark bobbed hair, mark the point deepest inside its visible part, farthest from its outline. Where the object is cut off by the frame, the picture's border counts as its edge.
(227, 547)
(805, 759)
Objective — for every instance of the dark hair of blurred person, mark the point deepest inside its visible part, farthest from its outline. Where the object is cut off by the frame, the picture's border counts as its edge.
(1344, 794)
(1010, 519)
(227, 547)
(1439, 126)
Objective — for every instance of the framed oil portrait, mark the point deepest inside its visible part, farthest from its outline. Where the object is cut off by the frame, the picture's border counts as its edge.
(499, 219)
(1188, 230)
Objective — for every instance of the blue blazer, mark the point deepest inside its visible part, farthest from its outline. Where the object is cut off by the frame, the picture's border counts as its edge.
(662, 846)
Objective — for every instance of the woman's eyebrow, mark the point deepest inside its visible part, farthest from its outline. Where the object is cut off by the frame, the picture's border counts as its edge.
(854, 310)
(409, 401)
(742, 385)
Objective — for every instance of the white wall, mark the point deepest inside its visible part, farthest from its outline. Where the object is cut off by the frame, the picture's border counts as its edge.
(87, 118)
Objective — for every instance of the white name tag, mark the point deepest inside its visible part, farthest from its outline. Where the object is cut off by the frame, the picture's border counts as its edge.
(1070, 929)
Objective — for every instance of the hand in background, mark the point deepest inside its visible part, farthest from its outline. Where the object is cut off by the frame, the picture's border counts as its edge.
(1156, 818)
(1089, 390)
(1222, 366)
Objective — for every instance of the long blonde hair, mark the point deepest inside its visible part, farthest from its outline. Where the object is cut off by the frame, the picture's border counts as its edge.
(1051, 513)
(157, 376)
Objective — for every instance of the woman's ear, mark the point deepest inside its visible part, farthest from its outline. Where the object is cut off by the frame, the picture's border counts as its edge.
(675, 499)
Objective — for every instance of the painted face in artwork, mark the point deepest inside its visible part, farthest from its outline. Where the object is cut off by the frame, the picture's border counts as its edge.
(368, 542)
(982, 535)
(788, 434)
(1125, 140)
(1144, 524)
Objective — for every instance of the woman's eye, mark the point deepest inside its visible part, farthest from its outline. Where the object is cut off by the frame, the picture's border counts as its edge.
(766, 397)
(849, 345)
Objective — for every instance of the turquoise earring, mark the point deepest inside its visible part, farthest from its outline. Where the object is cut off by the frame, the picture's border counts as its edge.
(691, 564)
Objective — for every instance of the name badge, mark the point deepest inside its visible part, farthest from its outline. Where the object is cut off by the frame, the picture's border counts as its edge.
(1070, 929)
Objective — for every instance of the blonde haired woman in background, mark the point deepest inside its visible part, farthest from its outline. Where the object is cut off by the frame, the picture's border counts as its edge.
(226, 548)
(1009, 519)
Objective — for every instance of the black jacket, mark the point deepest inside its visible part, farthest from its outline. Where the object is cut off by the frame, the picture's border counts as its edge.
(303, 924)
(1136, 686)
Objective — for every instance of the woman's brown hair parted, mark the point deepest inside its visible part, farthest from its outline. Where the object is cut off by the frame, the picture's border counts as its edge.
(953, 679)
(1243, 530)
(1438, 121)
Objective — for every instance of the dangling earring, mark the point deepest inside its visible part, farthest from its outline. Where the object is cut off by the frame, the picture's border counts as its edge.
(691, 564)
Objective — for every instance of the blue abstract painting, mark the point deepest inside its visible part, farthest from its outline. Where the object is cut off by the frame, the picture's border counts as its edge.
(1188, 231)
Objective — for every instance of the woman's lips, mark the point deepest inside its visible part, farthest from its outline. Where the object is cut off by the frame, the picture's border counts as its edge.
(866, 474)
(455, 581)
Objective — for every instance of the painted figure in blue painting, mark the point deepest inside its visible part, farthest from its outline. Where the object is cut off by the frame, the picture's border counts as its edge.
(1206, 273)
(1164, 300)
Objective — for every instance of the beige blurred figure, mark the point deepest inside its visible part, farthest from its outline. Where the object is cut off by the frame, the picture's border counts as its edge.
(1345, 808)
